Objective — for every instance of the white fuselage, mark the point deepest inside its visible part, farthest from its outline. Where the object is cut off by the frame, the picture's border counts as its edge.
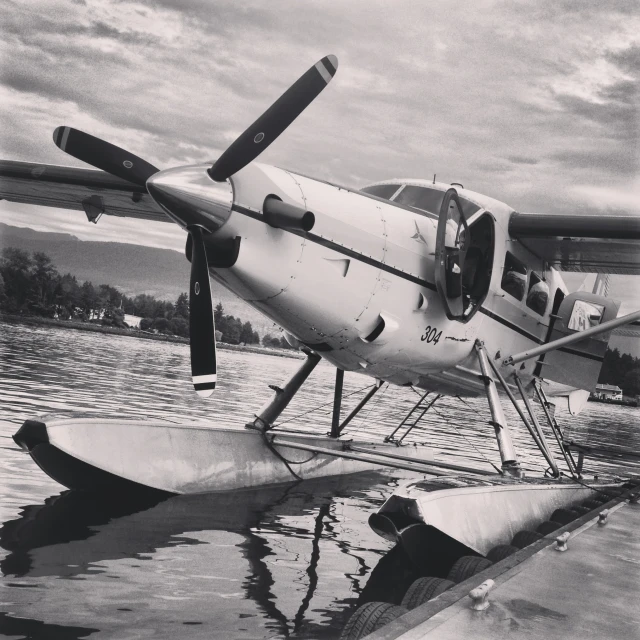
(368, 260)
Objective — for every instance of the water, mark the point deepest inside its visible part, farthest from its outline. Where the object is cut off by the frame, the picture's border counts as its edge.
(287, 561)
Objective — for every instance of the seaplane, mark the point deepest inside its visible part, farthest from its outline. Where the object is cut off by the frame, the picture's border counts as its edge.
(410, 282)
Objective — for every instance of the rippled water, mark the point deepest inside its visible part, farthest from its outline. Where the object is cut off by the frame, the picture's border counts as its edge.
(287, 561)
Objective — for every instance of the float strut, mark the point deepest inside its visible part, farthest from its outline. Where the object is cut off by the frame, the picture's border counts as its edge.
(361, 404)
(337, 404)
(510, 464)
(555, 429)
(544, 447)
(271, 411)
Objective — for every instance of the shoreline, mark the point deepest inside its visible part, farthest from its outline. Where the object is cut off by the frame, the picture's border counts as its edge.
(137, 333)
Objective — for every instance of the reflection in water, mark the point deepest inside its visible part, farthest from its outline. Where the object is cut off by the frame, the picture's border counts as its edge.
(287, 561)
(36, 630)
(73, 534)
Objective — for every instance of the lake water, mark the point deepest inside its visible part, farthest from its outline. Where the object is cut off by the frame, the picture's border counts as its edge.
(281, 562)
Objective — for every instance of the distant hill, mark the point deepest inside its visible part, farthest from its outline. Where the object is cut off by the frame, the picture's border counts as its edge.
(133, 269)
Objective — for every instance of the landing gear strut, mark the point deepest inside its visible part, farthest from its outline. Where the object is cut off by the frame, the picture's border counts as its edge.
(271, 411)
(510, 464)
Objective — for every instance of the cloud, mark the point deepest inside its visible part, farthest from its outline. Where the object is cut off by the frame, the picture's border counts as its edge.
(609, 199)
(522, 160)
(500, 96)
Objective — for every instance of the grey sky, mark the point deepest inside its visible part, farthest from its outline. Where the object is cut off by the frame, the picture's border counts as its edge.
(534, 103)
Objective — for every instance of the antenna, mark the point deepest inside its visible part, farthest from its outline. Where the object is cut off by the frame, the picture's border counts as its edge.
(434, 178)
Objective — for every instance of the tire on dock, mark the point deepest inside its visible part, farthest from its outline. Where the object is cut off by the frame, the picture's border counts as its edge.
(466, 567)
(501, 551)
(423, 590)
(370, 617)
(580, 510)
(525, 537)
(548, 526)
(563, 516)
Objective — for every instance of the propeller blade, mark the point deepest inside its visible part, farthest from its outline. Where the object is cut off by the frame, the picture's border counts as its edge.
(103, 155)
(250, 144)
(202, 330)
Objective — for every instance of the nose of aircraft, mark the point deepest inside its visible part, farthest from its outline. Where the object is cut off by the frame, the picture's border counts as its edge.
(190, 197)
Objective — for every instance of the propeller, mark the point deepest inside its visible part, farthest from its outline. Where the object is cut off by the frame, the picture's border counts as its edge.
(103, 155)
(246, 148)
(202, 329)
(254, 140)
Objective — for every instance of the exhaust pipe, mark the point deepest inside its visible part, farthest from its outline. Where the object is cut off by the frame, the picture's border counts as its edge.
(286, 216)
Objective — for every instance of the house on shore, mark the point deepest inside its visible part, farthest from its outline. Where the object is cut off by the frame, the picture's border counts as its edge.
(607, 392)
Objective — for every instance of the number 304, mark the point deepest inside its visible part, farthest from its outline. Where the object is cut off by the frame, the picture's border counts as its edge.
(431, 334)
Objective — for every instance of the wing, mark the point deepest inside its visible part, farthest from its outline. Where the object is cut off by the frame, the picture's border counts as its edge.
(81, 189)
(591, 244)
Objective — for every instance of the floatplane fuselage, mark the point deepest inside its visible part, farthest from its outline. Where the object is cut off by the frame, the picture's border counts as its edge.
(360, 286)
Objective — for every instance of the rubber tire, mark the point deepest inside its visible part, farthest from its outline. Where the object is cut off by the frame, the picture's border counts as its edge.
(591, 504)
(525, 537)
(501, 551)
(370, 617)
(564, 516)
(548, 526)
(580, 511)
(423, 590)
(466, 567)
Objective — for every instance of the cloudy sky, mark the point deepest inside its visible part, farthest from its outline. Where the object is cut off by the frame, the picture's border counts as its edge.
(534, 103)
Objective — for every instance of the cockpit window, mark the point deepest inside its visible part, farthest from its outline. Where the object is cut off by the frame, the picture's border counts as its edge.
(468, 207)
(385, 191)
(514, 277)
(421, 198)
(538, 295)
(430, 200)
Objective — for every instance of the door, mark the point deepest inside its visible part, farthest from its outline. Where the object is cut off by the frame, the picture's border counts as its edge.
(451, 240)
(578, 365)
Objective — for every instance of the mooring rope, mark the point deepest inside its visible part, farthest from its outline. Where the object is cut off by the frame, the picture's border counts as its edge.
(281, 457)
(584, 484)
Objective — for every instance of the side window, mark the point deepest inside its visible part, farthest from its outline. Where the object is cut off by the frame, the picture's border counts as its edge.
(514, 277)
(384, 191)
(585, 315)
(538, 295)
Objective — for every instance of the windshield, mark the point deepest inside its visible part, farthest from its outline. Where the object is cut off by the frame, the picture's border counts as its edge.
(384, 191)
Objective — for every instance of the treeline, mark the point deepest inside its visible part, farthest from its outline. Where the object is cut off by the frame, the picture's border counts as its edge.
(622, 370)
(31, 285)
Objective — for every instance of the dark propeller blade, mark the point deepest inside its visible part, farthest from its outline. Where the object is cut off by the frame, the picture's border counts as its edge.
(103, 155)
(275, 119)
(202, 330)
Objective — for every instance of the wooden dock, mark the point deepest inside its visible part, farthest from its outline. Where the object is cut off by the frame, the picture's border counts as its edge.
(590, 591)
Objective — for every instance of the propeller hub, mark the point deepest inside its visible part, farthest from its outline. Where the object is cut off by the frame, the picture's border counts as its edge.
(190, 197)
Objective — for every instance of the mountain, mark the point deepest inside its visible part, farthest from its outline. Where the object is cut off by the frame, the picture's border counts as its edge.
(133, 269)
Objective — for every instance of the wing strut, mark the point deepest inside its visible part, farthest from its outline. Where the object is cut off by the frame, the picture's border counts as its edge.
(576, 337)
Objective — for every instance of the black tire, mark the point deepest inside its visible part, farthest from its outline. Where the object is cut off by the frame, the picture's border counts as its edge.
(591, 504)
(524, 538)
(423, 590)
(547, 527)
(563, 516)
(501, 551)
(580, 510)
(466, 567)
(370, 617)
